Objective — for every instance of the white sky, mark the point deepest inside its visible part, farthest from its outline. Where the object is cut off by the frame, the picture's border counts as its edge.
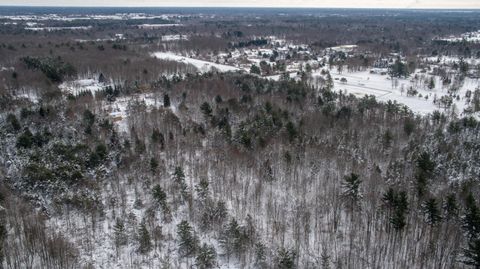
(258, 3)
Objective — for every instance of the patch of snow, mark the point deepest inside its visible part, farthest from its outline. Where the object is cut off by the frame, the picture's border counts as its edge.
(451, 60)
(28, 95)
(82, 85)
(3, 68)
(201, 65)
(473, 37)
(153, 26)
(384, 89)
(50, 29)
(343, 48)
(174, 37)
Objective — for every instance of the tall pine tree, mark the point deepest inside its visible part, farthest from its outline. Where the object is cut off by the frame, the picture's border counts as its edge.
(188, 242)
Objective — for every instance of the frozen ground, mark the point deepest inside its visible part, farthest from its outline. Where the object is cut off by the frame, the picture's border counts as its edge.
(49, 29)
(78, 86)
(119, 109)
(150, 26)
(277, 77)
(28, 94)
(450, 60)
(116, 38)
(174, 37)
(469, 37)
(364, 83)
(201, 65)
(73, 17)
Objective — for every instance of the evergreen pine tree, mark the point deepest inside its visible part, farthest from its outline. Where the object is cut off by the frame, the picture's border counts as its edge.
(158, 138)
(206, 110)
(101, 78)
(431, 211)
(120, 233)
(351, 189)
(260, 255)
(450, 207)
(389, 198)
(3, 238)
(472, 253)
(425, 167)
(425, 164)
(431, 83)
(153, 165)
(159, 195)
(144, 242)
(188, 242)
(202, 190)
(285, 259)
(397, 208)
(160, 198)
(14, 123)
(206, 257)
(181, 185)
(421, 184)
(471, 219)
(233, 238)
(166, 100)
(291, 131)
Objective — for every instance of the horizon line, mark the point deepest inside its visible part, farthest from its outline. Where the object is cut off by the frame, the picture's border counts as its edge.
(239, 6)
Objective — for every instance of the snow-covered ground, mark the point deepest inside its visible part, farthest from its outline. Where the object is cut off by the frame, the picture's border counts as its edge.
(381, 86)
(174, 37)
(27, 94)
(78, 86)
(3, 68)
(451, 60)
(203, 66)
(119, 109)
(152, 26)
(469, 37)
(277, 77)
(49, 29)
(117, 37)
(343, 48)
(74, 17)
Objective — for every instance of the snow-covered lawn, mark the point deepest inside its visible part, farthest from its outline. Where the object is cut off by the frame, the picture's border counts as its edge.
(468, 37)
(277, 77)
(119, 109)
(381, 86)
(451, 60)
(78, 86)
(152, 26)
(201, 65)
(174, 37)
(49, 29)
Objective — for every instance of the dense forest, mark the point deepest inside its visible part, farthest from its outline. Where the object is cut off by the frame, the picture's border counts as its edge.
(296, 176)
(230, 169)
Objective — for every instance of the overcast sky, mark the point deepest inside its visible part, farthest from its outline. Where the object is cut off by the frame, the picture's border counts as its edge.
(258, 3)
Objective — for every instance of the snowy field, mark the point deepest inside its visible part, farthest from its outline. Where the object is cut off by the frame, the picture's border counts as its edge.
(119, 110)
(202, 66)
(49, 29)
(450, 60)
(469, 37)
(174, 37)
(152, 26)
(118, 16)
(364, 83)
(79, 86)
(117, 37)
